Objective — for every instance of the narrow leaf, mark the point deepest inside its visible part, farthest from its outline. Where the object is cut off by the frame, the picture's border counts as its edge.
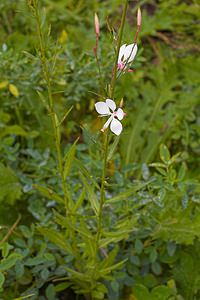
(69, 159)
(113, 147)
(56, 238)
(49, 193)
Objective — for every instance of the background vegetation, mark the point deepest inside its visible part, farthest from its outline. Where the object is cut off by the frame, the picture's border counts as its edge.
(153, 171)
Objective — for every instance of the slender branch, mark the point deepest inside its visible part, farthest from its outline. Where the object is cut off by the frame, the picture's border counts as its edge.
(55, 123)
(113, 81)
(106, 141)
(10, 231)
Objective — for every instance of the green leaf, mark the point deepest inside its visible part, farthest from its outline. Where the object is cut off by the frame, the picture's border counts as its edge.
(10, 261)
(43, 99)
(161, 292)
(141, 292)
(62, 286)
(111, 268)
(5, 249)
(2, 279)
(24, 297)
(186, 271)
(171, 248)
(13, 129)
(138, 246)
(109, 259)
(38, 260)
(69, 158)
(85, 172)
(113, 147)
(79, 201)
(92, 197)
(44, 274)
(156, 268)
(121, 196)
(25, 231)
(97, 295)
(50, 292)
(56, 238)
(10, 188)
(19, 269)
(182, 172)
(66, 114)
(153, 255)
(178, 225)
(164, 154)
(49, 193)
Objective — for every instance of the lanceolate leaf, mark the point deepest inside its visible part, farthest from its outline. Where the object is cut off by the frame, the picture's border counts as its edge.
(122, 196)
(69, 158)
(92, 197)
(56, 238)
(49, 193)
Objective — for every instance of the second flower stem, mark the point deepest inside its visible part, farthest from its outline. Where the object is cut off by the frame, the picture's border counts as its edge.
(106, 140)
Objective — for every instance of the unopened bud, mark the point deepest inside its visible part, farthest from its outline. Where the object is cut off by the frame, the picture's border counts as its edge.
(121, 103)
(139, 17)
(96, 23)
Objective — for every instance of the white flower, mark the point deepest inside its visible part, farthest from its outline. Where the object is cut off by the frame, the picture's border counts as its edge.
(108, 108)
(127, 54)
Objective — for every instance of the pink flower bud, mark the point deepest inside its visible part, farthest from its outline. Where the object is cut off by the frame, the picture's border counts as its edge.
(139, 17)
(96, 23)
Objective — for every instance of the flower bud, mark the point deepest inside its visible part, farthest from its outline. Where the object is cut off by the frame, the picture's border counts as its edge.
(139, 17)
(96, 23)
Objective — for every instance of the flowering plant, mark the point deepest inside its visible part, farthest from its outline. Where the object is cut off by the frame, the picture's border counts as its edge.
(108, 108)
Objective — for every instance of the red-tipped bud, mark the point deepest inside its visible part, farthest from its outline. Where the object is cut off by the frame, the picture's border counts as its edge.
(96, 23)
(139, 17)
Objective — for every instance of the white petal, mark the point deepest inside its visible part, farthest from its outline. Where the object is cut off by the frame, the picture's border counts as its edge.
(116, 126)
(130, 52)
(102, 108)
(120, 114)
(121, 52)
(107, 122)
(111, 104)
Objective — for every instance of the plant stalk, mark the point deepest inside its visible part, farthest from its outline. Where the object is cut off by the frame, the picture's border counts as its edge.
(106, 140)
(55, 123)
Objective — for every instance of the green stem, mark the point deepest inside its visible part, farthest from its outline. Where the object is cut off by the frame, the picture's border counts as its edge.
(52, 113)
(106, 141)
(102, 192)
(113, 81)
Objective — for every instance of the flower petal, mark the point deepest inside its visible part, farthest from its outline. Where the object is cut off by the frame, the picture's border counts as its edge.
(116, 126)
(121, 53)
(130, 52)
(107, 123)
(111, 104)
(102, 108)
(119, 114)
